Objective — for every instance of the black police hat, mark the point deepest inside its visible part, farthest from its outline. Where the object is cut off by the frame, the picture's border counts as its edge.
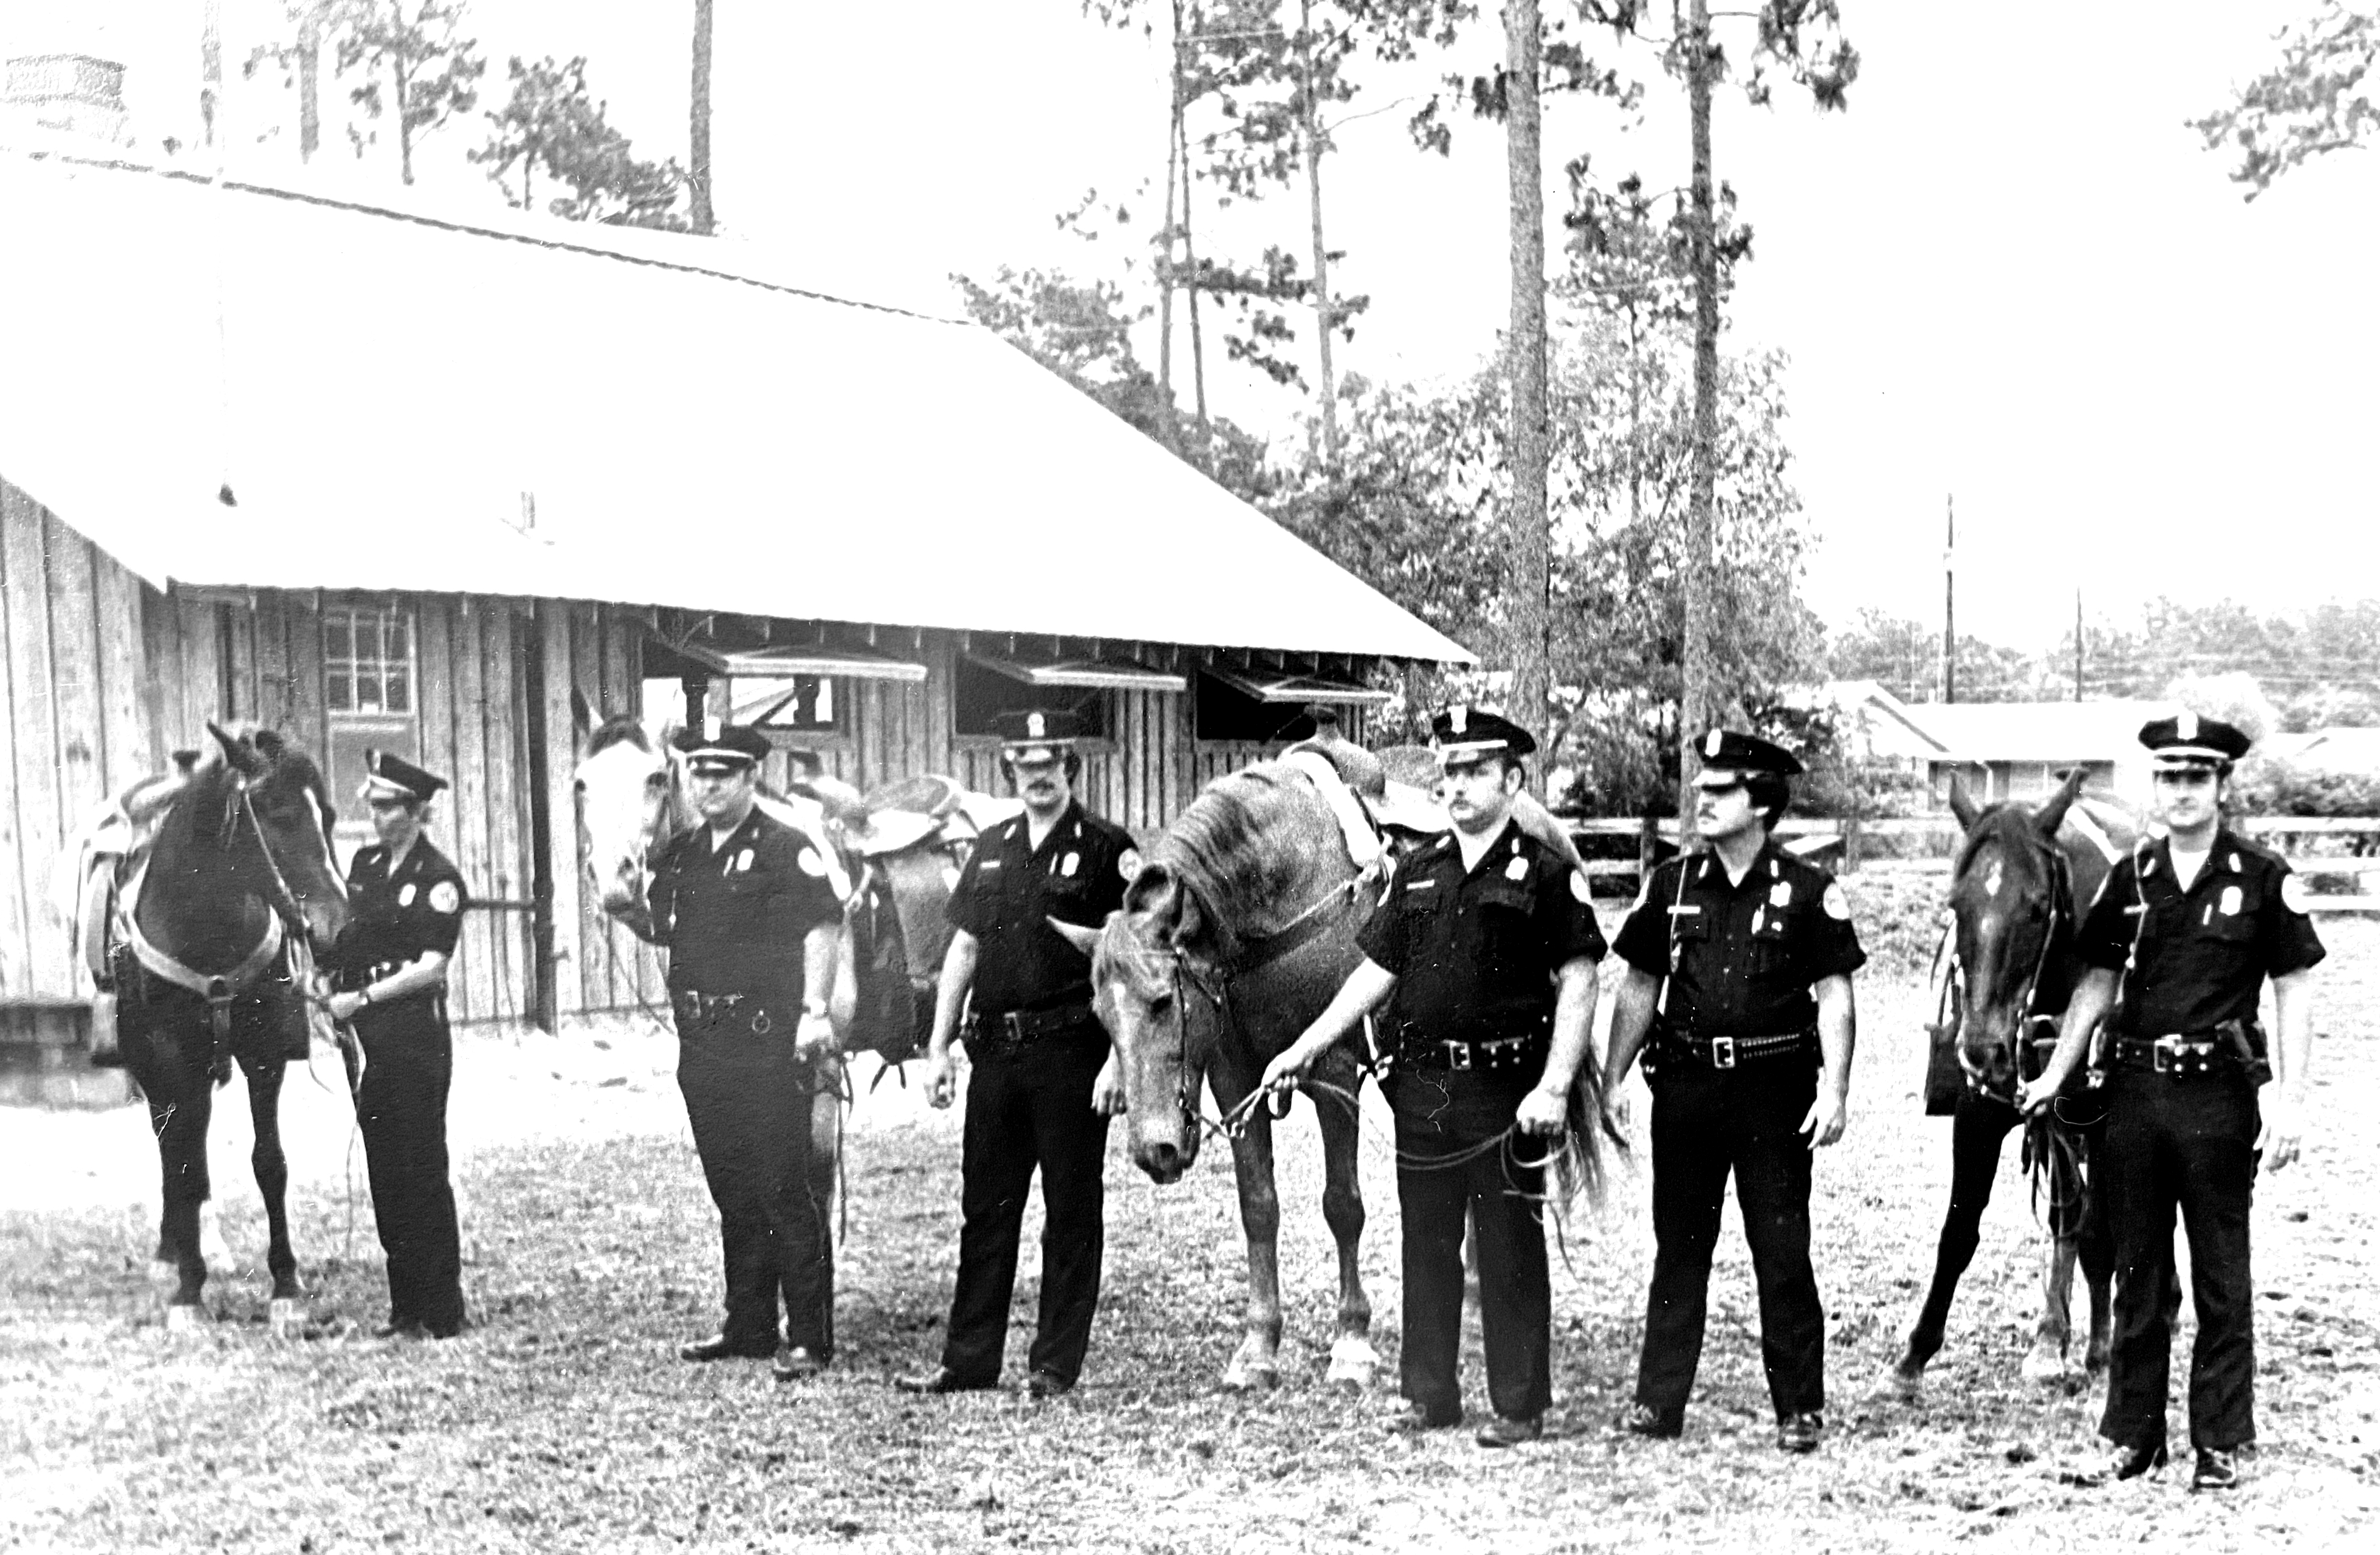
(1747, 754)
(393, 777)
(721, 747)
(1020, 732)
(2188, 740)
(1466, 734)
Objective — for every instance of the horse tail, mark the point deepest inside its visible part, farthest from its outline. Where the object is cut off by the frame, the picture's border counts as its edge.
(1589, 1129)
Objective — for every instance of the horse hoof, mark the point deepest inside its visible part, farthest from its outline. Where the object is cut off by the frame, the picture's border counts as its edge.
(287, 1317)
(1897, 1386)
(1353, 1362)
(1251, 1379)
(185, 1318)
(2043, 1363)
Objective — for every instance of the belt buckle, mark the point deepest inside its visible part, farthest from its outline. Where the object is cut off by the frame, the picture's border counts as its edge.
(2162, 1054)
(1014, 1022)
(1458, 1056)
(1722, 1051)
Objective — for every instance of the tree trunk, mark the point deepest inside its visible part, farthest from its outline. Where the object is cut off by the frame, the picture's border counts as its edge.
(1696, 702)
(698, 156)
(309, 83)
(1525, 353)
(211, 73)
(1198, 340)
(1328, 384)
(1169, 419)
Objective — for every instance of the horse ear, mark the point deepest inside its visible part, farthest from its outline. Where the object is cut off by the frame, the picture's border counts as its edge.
(582, 717)
(184, 760)
(269, 741)
(1962, 804)
(1084, 940)
(238, 752)
(2052, 813)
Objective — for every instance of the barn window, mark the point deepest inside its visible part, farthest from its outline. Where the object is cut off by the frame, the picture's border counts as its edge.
(985, 688)
(368, 662)
(1270, 705)
(806, 704)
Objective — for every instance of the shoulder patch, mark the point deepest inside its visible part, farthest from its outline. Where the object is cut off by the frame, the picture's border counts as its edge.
(1128, 865)
(445, 898)
(1838, 905)
(810, 863)
(2293, 894)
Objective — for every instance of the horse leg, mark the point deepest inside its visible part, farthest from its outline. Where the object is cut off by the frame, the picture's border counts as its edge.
(287, 1312)
(2095, 1249)
(1353, 1359)
(1976, 1130)
(1256, 1363)
(2046, 1362)
(180, 1098)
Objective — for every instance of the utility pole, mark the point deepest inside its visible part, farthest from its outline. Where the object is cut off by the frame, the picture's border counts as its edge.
(1530, 561)
(703, 217)
(1322, 311)
(2078, 643)
(1950, 599)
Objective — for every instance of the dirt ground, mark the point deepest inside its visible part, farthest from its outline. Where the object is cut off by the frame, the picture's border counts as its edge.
(563, 1422)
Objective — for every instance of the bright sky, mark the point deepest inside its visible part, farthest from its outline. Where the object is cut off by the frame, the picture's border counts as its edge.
(2009, 273)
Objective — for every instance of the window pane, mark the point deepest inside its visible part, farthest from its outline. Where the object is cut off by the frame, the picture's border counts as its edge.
(339, 692)
(824, 712)
(368, 693)
(338, 638)
(394, 640)
(398, 693)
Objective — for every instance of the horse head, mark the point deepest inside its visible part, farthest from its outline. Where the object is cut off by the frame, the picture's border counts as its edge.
(630, 802)
(250, 823)
(1161, 1012)
(2012, 907)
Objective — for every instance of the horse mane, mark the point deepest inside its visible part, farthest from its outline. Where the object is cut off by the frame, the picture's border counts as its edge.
(615, 730)
(1215, 853)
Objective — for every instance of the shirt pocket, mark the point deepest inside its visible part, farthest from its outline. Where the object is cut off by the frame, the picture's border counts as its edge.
(1508, 927)
(1776, 940)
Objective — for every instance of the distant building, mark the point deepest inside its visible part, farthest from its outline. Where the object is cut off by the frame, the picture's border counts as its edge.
(63, 101)
(2004, 751)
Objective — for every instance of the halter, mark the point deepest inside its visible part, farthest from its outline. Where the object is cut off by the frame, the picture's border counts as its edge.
(1953, 995)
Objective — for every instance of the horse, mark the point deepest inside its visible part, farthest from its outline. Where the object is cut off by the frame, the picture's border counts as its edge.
(2022, 877)
(236, 883)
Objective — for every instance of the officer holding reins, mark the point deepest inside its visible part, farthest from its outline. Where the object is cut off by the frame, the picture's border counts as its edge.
(2179, 941)
(743, 902)
(1738, 994)
(389, 970)
(1044, 1081)
(1484, 955)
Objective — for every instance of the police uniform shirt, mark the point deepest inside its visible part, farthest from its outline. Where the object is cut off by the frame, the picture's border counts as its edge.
(2204, 951)
(734, 915)
(1474, 951)
(397, 916)
(1747, 954)
(1010, 888)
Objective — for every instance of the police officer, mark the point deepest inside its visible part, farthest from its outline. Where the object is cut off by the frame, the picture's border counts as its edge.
(1044, 1081)
(1485, 955)
(743, 904)
(1738, 994)
(2179, 941)
(389, 971)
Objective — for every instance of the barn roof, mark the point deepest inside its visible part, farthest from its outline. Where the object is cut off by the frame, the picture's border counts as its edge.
(233, 387)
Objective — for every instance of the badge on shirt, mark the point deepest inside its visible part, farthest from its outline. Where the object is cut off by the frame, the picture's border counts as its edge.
(1128, 864)
(1782, 895)
(744, 860)
(1068, 864)
(2293, 894)
(405, 896)
(1578, 890)
(444, 898)
(1518, 870)
(1838, 905)
(949, 876)
(2230, 901)
(811, 864)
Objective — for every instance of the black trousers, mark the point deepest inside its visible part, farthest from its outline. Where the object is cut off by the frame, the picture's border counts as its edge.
(1707, 1123)
(749, 1100)
(1027, 1108)
(401, 1110)
(2190, 1143)
(1440, 1115)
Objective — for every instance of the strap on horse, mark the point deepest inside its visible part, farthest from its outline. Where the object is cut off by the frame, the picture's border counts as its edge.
(221, 990)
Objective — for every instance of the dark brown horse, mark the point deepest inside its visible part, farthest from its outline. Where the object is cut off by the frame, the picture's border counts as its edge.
(2023, 876)
(1238, 930)
(237, 877)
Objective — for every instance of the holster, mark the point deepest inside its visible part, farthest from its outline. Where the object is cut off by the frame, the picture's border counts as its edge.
(2246, 1039)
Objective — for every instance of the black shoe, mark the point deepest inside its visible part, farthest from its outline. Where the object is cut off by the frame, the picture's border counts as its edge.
(1799, 1432)
(1412, 1419)
(941, 1380)
(2218, 1469)
(1642, 1419)
(719, 1347)
(796, 1363)
(2116, 1463)
(1047, 1385)
(1509, 1430)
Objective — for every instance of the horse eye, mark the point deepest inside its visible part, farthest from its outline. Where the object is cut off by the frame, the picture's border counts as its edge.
(578, 786)
(658, 781)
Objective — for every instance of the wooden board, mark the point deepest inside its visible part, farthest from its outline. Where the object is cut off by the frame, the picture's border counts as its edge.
(16, 949)
(38, 961)
(127, 705)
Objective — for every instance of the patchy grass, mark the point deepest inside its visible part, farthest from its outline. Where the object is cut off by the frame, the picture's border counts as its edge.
(563, 1421)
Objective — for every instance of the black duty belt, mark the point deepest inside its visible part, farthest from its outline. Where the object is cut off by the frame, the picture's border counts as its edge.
(1012, 1029)
(1488, 1055)
(2181, 1054)
(714, 1010)
(1729, 1052)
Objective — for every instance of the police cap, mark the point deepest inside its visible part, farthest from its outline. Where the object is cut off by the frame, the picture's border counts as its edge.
(1746, 755)
(393, 777)
(722, 747)
(2188, 740)
(1022, 731)
(1466, 734)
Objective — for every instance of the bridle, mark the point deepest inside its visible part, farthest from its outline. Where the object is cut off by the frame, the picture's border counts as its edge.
(1954, 995)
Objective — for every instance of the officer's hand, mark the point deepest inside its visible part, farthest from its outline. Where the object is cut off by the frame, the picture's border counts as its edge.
(2277, 1140)
(342, 1007)
(1289, 1067)
(942, 1076)
(814, 1036)
(1542, 1112)
(1107, 1091)
(1827, 1116)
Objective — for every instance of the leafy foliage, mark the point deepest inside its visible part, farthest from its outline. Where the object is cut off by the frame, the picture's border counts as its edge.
(551, 122)
(2316, 100)
(433, 72)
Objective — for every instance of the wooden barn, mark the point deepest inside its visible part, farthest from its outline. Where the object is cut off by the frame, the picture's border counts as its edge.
(376, 478)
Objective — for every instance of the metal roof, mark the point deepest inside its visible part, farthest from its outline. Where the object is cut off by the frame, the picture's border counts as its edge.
(239, 387)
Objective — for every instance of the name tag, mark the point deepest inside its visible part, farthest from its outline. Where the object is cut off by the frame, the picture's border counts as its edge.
(1685, 909)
